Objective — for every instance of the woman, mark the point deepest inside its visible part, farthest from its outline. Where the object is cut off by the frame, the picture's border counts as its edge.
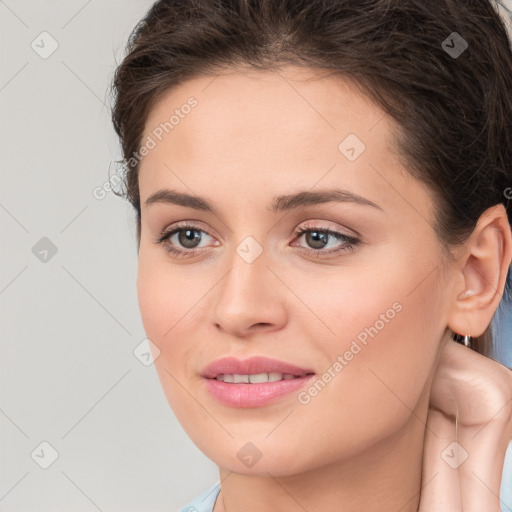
(321, 209)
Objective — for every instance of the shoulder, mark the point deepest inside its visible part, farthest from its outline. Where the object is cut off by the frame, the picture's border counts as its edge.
(205, 501)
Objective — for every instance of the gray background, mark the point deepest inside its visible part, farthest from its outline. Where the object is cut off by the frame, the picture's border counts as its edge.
(69, 315)
(69, 326)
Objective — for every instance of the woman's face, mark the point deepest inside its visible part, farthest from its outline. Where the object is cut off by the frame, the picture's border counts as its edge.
(360, 310)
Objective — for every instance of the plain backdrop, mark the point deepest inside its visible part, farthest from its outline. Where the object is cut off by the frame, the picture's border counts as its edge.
(84, 423)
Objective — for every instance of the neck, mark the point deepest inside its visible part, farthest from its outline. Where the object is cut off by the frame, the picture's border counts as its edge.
(386, 477)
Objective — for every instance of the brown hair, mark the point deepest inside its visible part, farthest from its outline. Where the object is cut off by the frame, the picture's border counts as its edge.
(453, 109)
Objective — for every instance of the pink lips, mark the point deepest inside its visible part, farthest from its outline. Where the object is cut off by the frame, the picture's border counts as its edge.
(248, 394)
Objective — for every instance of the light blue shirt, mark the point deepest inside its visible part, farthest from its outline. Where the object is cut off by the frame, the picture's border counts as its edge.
(205, 501)
(506, 482)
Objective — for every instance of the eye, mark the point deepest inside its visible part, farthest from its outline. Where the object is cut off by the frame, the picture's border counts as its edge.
(318, 238)
(188, 236)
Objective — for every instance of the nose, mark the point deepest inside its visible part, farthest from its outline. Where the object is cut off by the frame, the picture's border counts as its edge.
(250, 298)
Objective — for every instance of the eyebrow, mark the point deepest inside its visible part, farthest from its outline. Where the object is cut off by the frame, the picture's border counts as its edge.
(279, 203)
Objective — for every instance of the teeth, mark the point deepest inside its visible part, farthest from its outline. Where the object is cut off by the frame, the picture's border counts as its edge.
(256, 378)
(260, 377)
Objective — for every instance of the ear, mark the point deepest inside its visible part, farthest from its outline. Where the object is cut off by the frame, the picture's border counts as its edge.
(481, 273)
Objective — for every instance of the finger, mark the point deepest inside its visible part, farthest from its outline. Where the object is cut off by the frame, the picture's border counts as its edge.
(487, 442)
(481, 472)
(483, 391)
(440, 483)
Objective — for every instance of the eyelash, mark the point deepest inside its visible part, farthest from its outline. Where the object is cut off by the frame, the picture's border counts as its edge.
(350, 240)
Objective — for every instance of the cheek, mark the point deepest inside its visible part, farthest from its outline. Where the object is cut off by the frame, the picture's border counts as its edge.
(171, 302)
(166, 301)
(164, 296)
(387, 333)
(156, 300)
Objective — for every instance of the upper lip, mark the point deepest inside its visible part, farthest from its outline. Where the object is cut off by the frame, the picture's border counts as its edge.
(251, 366)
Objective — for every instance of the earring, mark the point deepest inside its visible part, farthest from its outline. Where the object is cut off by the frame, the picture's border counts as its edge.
(466, 340)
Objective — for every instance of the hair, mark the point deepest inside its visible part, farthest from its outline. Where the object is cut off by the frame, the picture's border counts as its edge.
(453, 112)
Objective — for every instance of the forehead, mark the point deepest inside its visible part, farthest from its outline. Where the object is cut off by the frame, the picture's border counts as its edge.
(279, 109)
(280, 129)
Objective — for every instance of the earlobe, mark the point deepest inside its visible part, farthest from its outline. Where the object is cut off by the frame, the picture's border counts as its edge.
(482, 267)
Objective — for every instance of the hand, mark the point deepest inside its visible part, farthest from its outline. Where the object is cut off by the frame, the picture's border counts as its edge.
(471, 404)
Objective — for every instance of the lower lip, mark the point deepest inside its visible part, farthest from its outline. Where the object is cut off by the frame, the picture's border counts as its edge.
(253, 395)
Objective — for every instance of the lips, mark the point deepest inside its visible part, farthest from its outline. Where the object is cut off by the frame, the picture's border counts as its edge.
(252, 366)
(282, 379)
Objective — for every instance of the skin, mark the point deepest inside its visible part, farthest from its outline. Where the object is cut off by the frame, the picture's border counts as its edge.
(471, 403)
(253, 136)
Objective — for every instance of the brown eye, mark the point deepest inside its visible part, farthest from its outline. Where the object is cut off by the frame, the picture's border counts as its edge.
(188, 238)
(317, 239)
(182, 240)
